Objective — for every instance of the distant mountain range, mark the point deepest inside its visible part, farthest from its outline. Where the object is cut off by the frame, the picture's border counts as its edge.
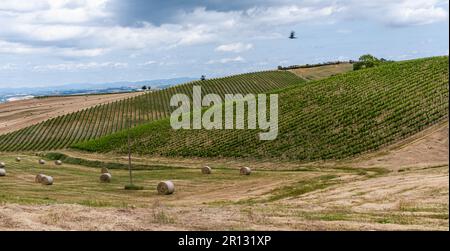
(11, 94)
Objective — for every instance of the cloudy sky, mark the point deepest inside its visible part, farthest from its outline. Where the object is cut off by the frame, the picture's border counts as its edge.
(53, 42)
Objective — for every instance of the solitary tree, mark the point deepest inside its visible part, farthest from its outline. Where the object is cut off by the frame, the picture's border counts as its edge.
(203, 78)
(367, 61)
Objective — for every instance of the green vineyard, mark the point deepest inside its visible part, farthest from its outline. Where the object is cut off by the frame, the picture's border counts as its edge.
(334, 118)
(101, 120)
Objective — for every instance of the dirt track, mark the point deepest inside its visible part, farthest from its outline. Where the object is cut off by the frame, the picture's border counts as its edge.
(23, 113)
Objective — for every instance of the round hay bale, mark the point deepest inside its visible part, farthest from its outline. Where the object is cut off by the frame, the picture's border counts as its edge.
(2, 165)
(105, 177)
(18, 159)
(58, 162)
(47, 180)
(104, 170)
(2, 172)
(165, 187)
(206, 170)
(245, 171)
(38, 178)
(42, 162)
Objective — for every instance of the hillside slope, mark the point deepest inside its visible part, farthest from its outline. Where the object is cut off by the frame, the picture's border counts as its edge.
(20, 114)
(321, 72)
(105, 119)
(333, 118)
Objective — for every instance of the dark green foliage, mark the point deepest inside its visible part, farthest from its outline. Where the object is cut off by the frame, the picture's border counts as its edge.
(99, 164)
(368, 61)
(133, 187)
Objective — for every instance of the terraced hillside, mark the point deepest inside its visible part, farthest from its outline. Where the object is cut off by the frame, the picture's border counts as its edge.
(334, 118)
(94, 122)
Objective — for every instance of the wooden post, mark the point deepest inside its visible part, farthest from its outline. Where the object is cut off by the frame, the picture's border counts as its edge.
(129, 151)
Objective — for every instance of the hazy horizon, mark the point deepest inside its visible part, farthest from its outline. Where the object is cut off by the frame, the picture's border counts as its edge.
(48, 43)
(93, 84)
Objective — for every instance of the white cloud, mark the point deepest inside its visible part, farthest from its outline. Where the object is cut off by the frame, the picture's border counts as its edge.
(150, 62)
(70, 67)
(23, 49)
(397, 13)
(225, 20)
(18, 48)
(48, 33)
(21, 6)
(227, 60)
(80, 53)
(234, 47)
(8, 67)
(44, 26)
(50, 11)
(87, 28)
(291, 14)
(416, 12)
(344, 31)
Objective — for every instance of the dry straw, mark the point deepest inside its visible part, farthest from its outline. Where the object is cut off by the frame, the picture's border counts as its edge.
(105, 177)
(44, 179)
(206, 170)
(245, 171)
(38, 178)
(47, 180)
(166, 187)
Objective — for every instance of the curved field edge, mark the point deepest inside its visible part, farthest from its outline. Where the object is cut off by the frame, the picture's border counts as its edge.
(335, 118)
(20, 114)
(101, 120)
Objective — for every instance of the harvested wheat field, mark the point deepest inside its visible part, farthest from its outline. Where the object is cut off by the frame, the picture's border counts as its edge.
(321, 72)
(19, 114)
(295, 197)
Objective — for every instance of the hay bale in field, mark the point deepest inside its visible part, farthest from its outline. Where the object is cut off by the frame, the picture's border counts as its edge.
(245, 171)
(38, 178)
(47, 180)
(105, 177)
(104, 170)
(2, 165)
(206, 170)
(166, 187)
(18, 159)
(58, 162)
(42, 162)
(2, 172)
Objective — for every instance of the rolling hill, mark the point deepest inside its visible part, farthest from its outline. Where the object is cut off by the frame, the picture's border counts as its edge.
(333, 118)
(94, 122)
(321, 72)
